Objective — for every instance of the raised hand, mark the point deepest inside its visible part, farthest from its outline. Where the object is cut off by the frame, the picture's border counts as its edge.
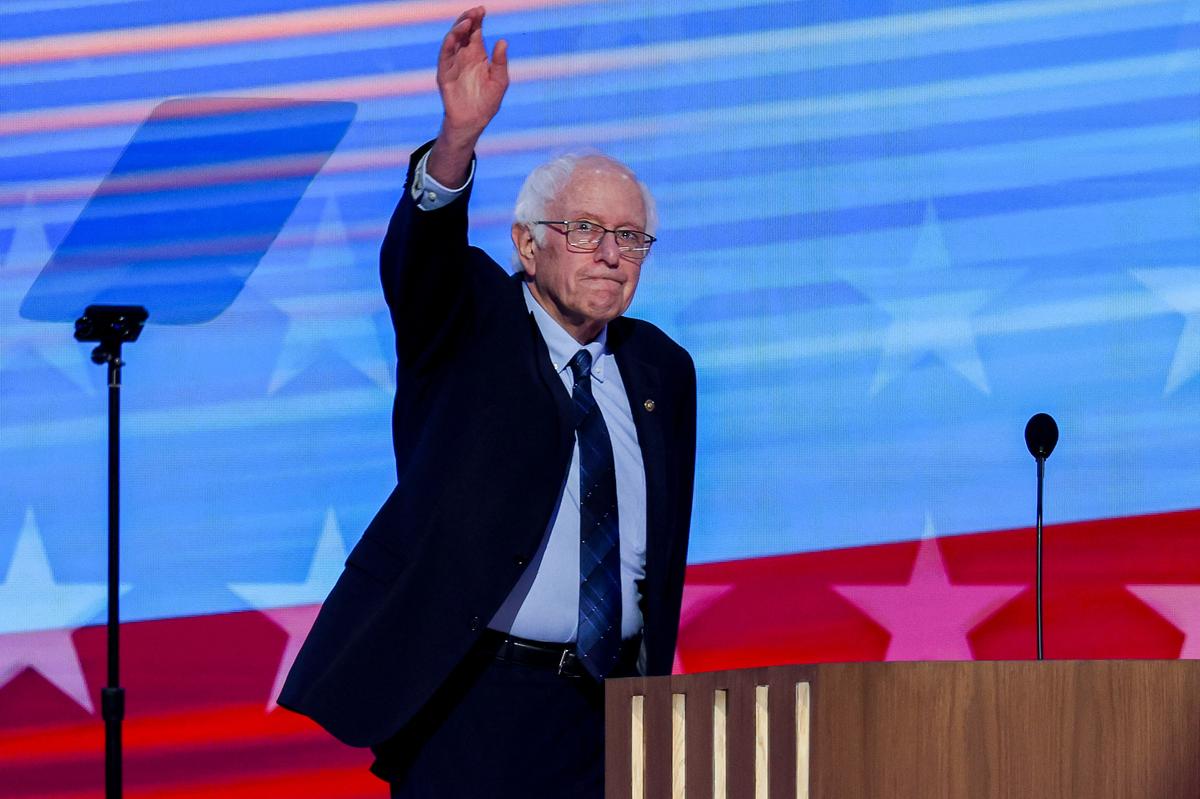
(472, 87)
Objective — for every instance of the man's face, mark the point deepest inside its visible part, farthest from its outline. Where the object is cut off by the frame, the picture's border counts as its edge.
(585, 290)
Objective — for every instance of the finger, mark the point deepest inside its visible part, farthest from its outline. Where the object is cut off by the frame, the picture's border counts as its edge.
(475, 15)
(500, 57)
(455, 37)
(476, 12)
(474, 35)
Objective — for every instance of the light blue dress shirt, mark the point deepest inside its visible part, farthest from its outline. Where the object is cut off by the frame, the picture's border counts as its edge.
(429, 193)
(544, 604)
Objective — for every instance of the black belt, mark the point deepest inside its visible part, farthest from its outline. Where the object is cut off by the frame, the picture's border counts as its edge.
(560, 658)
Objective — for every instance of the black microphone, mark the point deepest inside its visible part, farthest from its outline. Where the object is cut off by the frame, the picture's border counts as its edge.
(1041, 434)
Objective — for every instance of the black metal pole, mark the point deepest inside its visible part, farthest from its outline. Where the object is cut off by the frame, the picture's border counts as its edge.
(111, 326)
(1041, 434)
(112, 697)
(1041, 476)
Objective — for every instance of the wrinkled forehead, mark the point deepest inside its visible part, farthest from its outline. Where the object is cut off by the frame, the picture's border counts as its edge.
(602, 189)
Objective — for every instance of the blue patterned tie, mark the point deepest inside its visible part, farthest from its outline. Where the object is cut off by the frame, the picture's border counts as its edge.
(599, 640)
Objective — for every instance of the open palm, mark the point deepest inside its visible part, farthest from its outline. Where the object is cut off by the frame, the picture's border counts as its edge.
(471, 85)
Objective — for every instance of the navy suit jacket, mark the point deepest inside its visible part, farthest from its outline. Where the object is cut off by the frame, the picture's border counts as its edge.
(482, 436)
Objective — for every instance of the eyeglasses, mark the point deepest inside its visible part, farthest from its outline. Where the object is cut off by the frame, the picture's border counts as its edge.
(584, 235)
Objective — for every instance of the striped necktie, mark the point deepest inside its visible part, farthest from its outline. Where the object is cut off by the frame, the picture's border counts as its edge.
(599, 638)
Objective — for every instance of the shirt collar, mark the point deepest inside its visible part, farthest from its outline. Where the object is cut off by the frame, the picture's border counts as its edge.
(561, 344)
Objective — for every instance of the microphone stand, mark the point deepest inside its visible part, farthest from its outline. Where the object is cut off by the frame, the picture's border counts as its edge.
(112, 325)
(1041, 478)
(1041, 435)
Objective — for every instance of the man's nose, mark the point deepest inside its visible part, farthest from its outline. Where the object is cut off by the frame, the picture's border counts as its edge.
(608, 252)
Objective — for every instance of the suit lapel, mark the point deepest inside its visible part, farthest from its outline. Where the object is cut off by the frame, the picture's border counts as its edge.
(544, 369)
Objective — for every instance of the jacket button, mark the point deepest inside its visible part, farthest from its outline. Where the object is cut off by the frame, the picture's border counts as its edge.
(474, 622)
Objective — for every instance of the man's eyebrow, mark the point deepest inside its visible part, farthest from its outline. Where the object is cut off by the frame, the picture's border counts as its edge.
(596, 218)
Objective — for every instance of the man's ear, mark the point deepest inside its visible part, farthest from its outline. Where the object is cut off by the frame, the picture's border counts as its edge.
(522, 238)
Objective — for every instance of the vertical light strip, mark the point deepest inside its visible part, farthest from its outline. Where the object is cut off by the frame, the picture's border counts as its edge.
(637, 746)
(803, 722)
(678, 746)
(762, 742)
(720, 766)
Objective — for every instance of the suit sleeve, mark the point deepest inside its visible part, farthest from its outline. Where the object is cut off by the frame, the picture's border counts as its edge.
(423, 266)
(685, 465)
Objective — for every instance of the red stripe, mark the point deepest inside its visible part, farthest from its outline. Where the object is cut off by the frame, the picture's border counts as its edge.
(233, 750)
(258, 28)
(229, 725)
(351, 782)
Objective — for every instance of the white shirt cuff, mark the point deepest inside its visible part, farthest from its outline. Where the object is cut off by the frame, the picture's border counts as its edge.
(431, 195)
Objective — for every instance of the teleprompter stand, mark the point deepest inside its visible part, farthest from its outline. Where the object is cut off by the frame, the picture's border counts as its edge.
(112, 326)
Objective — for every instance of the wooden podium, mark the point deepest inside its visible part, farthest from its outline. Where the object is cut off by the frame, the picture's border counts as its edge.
(1020, 729)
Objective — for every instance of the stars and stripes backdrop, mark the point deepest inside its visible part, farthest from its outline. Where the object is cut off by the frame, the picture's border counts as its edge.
(891, 232)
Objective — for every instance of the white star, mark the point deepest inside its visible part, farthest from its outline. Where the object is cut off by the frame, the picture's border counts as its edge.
(328, 322)
(52, 342)
(697, 599)
(929, 315)
(928, 617)
(294, 606)
(1178, 604)
(1179, 288)
(38, 615)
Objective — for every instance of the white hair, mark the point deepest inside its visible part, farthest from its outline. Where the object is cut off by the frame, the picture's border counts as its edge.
(545, 183)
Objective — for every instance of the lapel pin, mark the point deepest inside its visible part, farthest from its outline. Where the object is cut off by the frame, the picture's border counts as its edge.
(648, 405)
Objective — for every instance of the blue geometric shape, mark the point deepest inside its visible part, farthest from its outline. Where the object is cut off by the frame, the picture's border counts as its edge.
(193, 204)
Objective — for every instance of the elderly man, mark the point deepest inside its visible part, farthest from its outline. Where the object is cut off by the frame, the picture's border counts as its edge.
(536, 539)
